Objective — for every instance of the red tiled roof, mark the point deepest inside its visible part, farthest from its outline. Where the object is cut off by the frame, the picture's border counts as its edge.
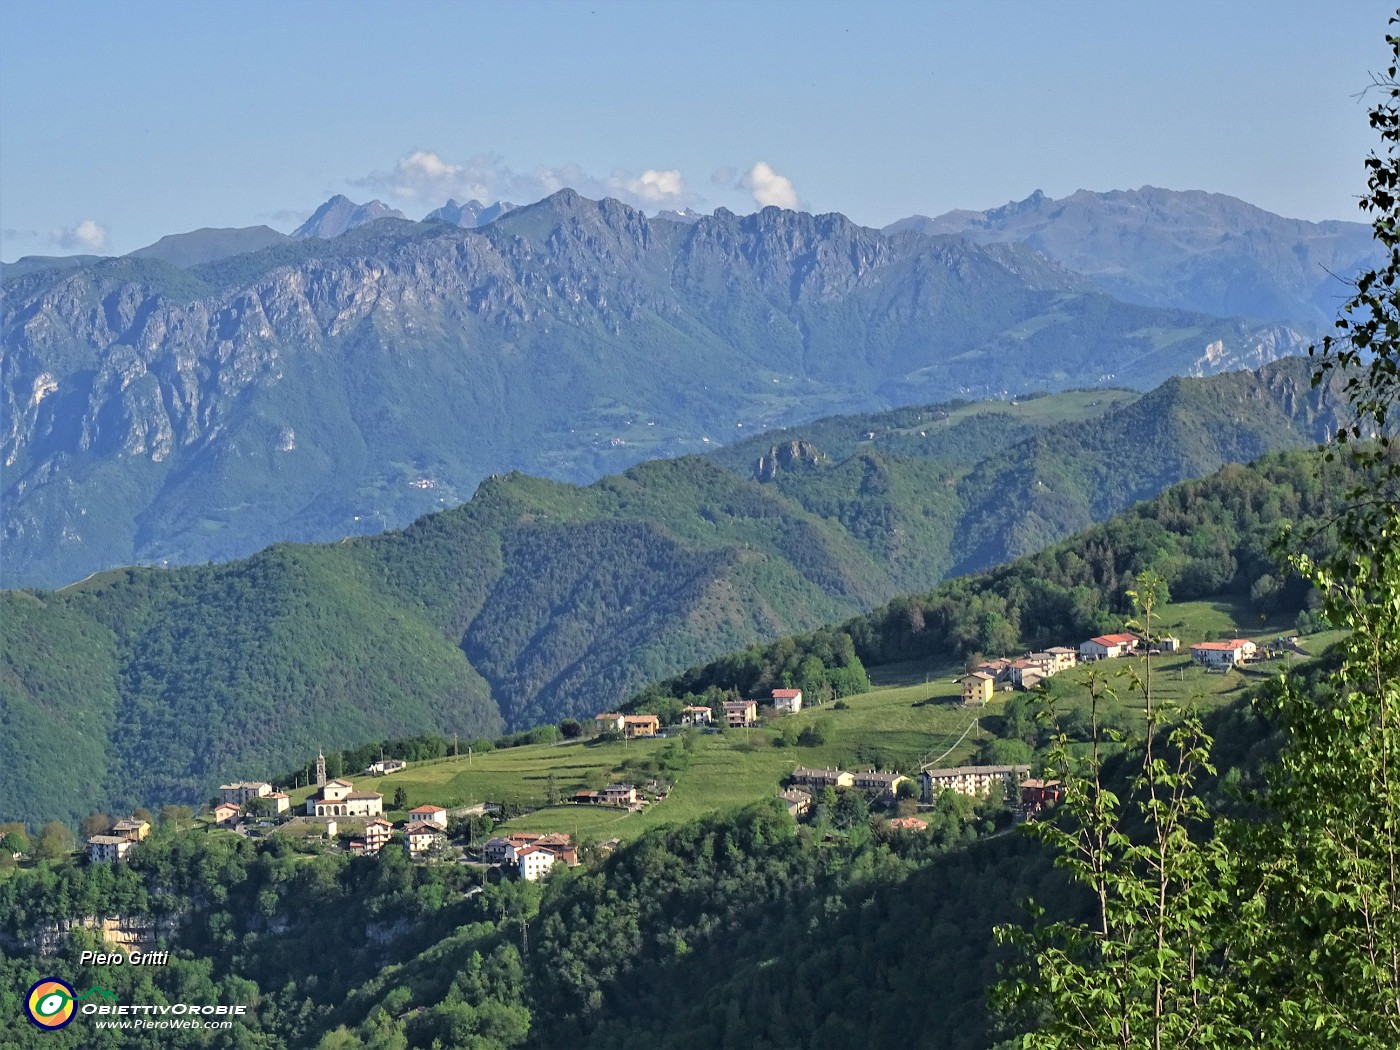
(1114, 639)
(786, 694)
(1224, 647)
(428, 809)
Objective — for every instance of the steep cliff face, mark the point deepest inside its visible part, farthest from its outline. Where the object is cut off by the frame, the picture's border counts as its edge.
(325, 387)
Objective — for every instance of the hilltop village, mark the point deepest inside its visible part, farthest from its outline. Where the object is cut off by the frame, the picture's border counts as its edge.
(333, 811)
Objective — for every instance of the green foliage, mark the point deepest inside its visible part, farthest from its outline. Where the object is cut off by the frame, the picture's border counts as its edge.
(1145, 969)
(1283, 929)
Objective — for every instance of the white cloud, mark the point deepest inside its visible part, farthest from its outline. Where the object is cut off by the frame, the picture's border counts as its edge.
(424, 177)
(768, 187)
(88, 234)
(659, 187)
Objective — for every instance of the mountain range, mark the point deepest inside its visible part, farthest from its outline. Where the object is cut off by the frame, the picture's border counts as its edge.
(1185, 250)
(159, 408)
(538, 599)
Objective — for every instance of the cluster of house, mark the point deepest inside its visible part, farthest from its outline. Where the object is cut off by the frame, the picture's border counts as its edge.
(115, 845)
(531, 855)
(1033, 668)
(1026, 673)
(234, 798)
(737, 715)
(425, 828)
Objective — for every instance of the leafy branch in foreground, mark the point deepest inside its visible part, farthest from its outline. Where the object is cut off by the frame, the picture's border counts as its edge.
(1144, 970)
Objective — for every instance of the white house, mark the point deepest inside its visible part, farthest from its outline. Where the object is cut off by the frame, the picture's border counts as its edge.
(1223, 654)
(696, 716)
(787, 701)
(534, 861)
(1108, 647)
(109, 848)
(431, 814)
(385, 766)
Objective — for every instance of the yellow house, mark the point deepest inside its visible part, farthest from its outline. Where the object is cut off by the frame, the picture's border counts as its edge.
(977, 687)
(640, 725)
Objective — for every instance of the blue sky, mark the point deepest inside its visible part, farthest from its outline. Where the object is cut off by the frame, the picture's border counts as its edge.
(120, 122)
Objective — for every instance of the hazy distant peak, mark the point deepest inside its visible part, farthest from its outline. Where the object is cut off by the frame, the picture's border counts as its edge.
(471, 215)
(209, 244)
(340, 214)
(1184, 249)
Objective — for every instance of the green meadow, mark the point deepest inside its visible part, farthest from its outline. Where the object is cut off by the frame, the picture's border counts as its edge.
(913, 716)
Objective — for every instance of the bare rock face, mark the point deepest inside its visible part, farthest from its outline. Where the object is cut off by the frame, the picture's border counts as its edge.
(789, 456)
(154, 413)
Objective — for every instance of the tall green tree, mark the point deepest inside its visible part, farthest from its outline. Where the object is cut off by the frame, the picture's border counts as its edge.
(1319, 930)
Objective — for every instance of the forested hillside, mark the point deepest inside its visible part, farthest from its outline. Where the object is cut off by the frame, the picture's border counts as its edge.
(537, 599)
(1206, 538)
(740, 930)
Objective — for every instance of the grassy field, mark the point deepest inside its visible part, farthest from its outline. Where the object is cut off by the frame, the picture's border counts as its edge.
(913, 716)
(898, 726)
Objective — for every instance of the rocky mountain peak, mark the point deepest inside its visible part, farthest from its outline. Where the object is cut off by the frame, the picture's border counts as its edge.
(340, 213)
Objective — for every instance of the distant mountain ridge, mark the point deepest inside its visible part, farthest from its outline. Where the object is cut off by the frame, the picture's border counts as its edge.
(340, 214)
(209, 245)
(324, 387)
(469, 216)
(1187, 250)
(538, 599)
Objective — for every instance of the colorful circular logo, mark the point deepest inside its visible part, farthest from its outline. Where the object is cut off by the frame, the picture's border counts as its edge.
(50, 1003)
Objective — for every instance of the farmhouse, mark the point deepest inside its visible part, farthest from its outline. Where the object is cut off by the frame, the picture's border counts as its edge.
(225, 813)
(383, 767)
(977, 687)
(640, 725)
(533, 862)
(1037, 795)
(787, 701)
(608, 722)
(618, 795)
(999, 669)
(1223, 654)
(908, 824)
(696, 716)
(797, 801)
(1064, 657)
(131, 828)
(1108, 647)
